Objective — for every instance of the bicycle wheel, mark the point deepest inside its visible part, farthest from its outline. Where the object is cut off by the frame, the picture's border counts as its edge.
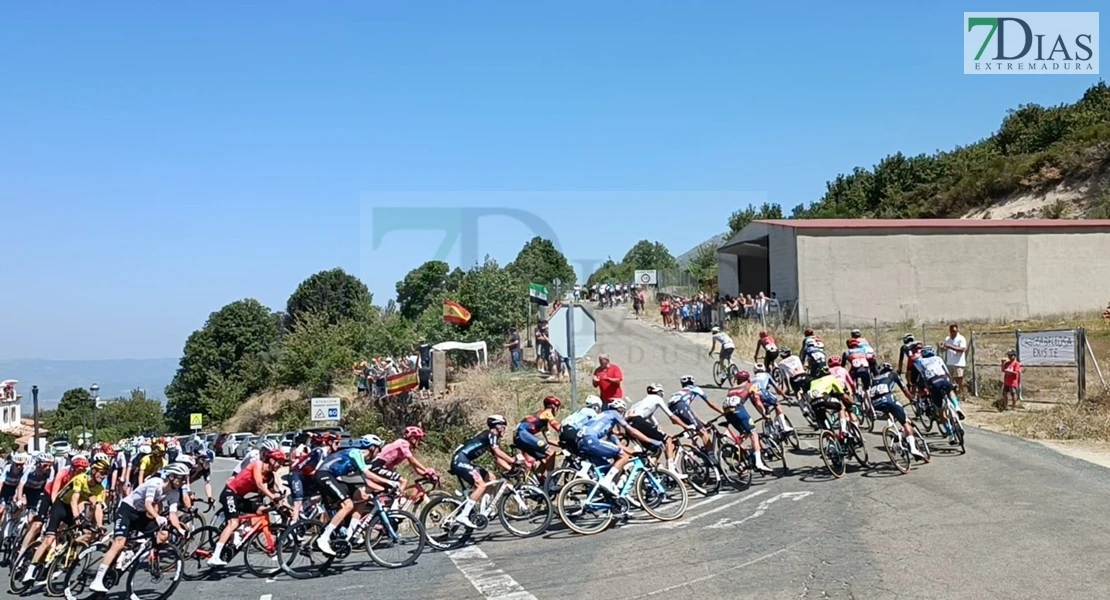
(82, 572)
(661, 494)
(163, 565)
(899, 457)
(583, 507)
(927, 419)
(557, 479)
(832, 454)
(773, 450)
(398, 540)
(700, 472)
(857, 445)
(957, 429)
(19, 568)
(195, 519)
(718, 374)
(260, 551)
(297, 553)
(735, 468)
(733, 372)
(868, 411)
(56, 570)
(439, 523)
(526, 512)
(792, 435)
(196, 549)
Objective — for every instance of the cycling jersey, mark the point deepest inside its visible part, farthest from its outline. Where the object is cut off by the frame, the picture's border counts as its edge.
(856, 358)
(308, 463)
(828, 386)
(736, 396)
(537, 423)
(844, 376)
(343, 463)
(866, 347)
(931, 368)
(61, 478)
(149, 465)
(792, 366)
(13, 473)
(884, 385)
(120, 461)
(765, 385)
(815, 356)
(689, 394)
(768, 344)
(86, 489)
(724, 340)
(579, 418)
(154, 489)
(35, 480)
(478, 445)
(243, 483)
(395, 453)
(602, 425)
(647, 408)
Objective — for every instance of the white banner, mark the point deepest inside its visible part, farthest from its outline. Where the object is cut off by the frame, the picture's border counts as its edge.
(645, 277)
(1048, 348)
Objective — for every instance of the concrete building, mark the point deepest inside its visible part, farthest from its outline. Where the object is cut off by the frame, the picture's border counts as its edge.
(922, 269)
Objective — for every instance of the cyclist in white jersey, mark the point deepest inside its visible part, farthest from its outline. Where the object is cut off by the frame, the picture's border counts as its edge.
(642, 418)
(727, 347)
(793, 371)
(770, 393)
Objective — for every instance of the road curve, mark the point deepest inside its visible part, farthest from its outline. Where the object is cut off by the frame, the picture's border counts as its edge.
(1010, 519)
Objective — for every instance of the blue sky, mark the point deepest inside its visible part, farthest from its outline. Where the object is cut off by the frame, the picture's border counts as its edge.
(159, 161)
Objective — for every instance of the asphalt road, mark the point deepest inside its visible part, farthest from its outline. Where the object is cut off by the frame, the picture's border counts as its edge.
(1010, 519)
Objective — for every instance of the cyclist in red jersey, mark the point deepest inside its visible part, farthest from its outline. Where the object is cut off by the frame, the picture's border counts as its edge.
(770, 350)
(256, 478)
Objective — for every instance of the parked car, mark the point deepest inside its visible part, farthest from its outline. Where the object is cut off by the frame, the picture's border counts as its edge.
(233, 441)
(60, 446)
(218, 445)
(287, 446)
(246, 446)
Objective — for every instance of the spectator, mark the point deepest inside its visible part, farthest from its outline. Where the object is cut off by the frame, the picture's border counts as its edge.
(513, 345)
(543, 347)
(1011, 379)
(424, 369)
(361, 371)
(1106, 313)
(665, 311)
(955, 356)
(774, 304)
(607, 379)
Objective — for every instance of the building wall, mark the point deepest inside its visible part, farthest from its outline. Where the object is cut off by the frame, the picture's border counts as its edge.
(754, 275)
(783, 252)
(934, 275)
(728, 281)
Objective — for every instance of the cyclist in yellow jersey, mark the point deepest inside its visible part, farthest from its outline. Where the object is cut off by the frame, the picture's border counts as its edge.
(827, 392)
(84, 488)
(153, 462)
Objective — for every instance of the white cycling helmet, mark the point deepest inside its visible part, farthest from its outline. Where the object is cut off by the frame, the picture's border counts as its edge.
(593, 402)
(144, 449)
(371, 441)
(618, 404)
(45, 458)
(185, 459)
(19, 458)
(268, 445)
(759, 368)
(176, 470)
(655, 389)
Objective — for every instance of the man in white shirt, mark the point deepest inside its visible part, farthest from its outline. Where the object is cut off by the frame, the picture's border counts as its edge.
(955, 356)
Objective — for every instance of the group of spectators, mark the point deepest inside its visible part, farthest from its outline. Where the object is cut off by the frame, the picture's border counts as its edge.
(548, 360)
(745, 306)
(371, 375)
(694, 313)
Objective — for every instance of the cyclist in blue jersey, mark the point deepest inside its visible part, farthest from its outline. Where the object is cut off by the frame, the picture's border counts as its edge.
(594, 444)
(568, 431)
(770, 393)
(682, 405)
(471, 475)
(13, 473)
(884, 401)
(333, 476)
(32, 493)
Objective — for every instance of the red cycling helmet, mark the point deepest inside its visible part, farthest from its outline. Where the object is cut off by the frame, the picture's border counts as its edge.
(762, 334)
(80, 463)
(808, 333)
(743, 376)
(277, 455)
(834, 361)
(413, 433)
(552, 402)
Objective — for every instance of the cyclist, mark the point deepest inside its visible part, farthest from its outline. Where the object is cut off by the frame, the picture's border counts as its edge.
(594, 444)
(770, 393)
(793, 371)
(252, 455)
(141, 512)
(904, 353)
(681, 404)
(882, 397)
(531, 435)
(867, 348)
(770, 350)
(936, 379)
(302, 480)
(32, 493)
(807, 338)
(118, 476)
(828, 392)
(152, 463)
(568, 431)
(737, 416)
(257, 478)
(201, 468)
(642, 418)
(913, 375)
(838, 371)
(727, 348)
(471, 475)
(64, 474)
(334, 476)
(859, 363)
(84, 488)
(398, 451)
(301, 446)
(13, 474)
(813, 356)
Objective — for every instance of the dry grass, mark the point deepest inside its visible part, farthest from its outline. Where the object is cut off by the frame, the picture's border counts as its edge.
(1088, 421)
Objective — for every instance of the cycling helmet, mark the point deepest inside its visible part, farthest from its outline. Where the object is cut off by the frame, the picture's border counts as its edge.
(762, 334)
(916, 346)
(144, 449)
(886, 368)
(759, 368)
(80, 463)
(158, 447)
(552, 402)
(834, 361)
(413, 433)
(186, 460)
(715, 330)
(907, 339)
(495, 421)
(686, 381)
(269, 445)
(856, 333)
(853, 343)
(45, 458)
(618, 404)
(176, 470)
(928, 352)
(102, 466)
(807, 333)
(743, 376)
(655, 388)
(370, 441)
(785, 352)
(19, 458)
(100, 456)
(276, 455)
(823, 371)
(594, 402)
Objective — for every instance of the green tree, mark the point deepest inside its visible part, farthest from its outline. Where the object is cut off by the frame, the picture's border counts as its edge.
(611, 272)
(740, 218)
(126, 417)
(74, 409)
(421, 287)
(540, 262)
(223, 362)
(335, 294)
(703, 266)
(649, 255)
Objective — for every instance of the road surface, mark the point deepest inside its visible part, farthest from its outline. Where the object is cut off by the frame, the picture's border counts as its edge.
(1010, 519)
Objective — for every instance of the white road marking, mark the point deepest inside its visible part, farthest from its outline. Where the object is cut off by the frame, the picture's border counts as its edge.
(719, 573)
(719, 496)
(762, 508)
(265, 597)
(686, 522)
(486, 577)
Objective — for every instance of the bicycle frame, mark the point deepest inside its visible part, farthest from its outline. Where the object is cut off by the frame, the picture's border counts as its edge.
(600, 501)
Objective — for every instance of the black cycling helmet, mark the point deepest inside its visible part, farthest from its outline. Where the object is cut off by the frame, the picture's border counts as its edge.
(687, 380)
(906, 339)
(785, 352)
(886, 368)
(856, 333)
(823, 371)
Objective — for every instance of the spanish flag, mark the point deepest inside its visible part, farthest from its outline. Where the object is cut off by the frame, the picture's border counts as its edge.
(456, 313)
(401, 382)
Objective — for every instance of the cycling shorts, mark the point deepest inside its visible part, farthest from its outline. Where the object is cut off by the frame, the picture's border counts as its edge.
(302, 486)
(598, 450)
(685, 413)
(331, 487)
(768, 397)
(8, 494)
(530, 443)
(800, 382)
(645, 426)
(568, 439)
(467, 472)
(59, 513)
(862, 377)
(129, 520)
(938, 390)
(726, 354)
(740, 419)
(888, 404)
(769, 358)
(38, 502)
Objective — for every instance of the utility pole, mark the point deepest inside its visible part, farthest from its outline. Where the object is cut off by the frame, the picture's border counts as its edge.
(35, 396)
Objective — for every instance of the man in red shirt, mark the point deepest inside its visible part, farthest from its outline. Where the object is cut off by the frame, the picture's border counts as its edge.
(607, 379)
(1011, 380)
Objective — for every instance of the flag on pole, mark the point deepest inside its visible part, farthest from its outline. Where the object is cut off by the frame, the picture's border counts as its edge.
(456, 313)
(538, 293)
(401, 382)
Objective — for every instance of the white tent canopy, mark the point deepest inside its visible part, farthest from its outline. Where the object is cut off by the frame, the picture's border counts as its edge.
(477, 347)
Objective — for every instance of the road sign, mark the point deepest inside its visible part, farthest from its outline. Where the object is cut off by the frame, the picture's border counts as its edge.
(584, 330)
(325, 409)
(645, 277)
(196, 421)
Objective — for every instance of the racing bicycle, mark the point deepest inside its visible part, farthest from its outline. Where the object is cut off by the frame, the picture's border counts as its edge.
(587, 508)
(524, 511)
(724, 373)
(896, 444)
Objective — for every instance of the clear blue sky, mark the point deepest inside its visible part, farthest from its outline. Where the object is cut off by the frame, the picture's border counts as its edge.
(160, 160)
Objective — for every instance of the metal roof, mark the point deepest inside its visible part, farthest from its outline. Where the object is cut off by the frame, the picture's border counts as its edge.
(939, 223)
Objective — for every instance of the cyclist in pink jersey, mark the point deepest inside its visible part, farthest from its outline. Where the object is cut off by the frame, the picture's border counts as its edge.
(400, 450)
(836, 369)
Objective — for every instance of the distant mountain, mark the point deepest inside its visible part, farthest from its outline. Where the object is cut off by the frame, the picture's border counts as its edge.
(685, 258)
(115, 377)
